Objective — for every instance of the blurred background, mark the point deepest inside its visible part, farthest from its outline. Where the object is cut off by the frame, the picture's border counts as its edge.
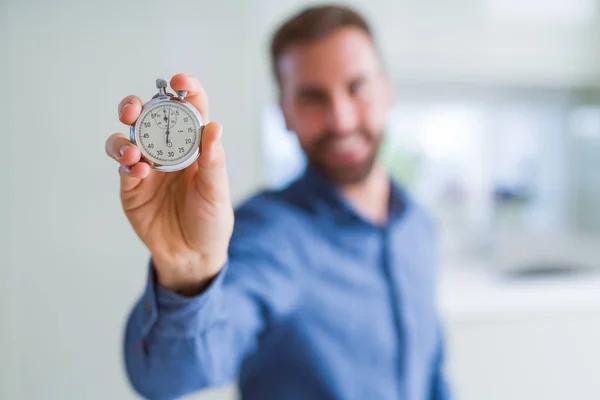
(495, 129)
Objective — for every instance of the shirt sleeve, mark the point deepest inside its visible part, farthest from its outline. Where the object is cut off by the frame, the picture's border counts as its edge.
(175, 345)
(162, 331)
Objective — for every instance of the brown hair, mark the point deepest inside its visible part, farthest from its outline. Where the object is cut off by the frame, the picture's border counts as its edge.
(311, 24)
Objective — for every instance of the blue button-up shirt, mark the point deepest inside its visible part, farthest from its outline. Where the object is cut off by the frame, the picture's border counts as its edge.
(314, 303)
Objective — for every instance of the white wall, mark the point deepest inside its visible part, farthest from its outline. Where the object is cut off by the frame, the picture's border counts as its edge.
(75, 266)
(4, 227)
(71, 267)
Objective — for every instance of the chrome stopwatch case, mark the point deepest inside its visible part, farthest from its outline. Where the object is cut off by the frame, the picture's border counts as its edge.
(168, 131)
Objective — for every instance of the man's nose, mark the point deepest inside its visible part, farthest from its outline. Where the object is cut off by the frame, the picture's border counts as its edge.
(342, 116)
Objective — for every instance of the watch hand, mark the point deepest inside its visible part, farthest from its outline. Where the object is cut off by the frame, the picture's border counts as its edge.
(168, 125)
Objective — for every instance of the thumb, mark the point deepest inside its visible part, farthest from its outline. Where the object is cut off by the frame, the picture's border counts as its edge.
(210, 146)
(211, 175)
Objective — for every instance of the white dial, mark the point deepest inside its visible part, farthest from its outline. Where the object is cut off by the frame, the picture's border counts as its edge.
(168, 133)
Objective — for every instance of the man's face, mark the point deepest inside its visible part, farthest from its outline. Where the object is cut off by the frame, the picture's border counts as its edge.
(335, 97)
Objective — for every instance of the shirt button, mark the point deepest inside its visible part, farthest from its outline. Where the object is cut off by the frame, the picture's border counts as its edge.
(147, 306)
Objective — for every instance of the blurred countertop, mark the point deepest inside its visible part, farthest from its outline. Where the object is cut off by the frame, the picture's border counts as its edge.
(476, 292)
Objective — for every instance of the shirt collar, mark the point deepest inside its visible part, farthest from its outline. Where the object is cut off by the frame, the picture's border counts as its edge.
(330, 201)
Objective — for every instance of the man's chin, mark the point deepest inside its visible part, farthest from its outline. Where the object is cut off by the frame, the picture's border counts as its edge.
(346, 174)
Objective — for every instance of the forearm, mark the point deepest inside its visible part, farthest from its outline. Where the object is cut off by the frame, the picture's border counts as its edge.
(169, 345)
(160, 366)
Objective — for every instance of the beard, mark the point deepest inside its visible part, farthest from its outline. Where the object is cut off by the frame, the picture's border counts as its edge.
(351, 172)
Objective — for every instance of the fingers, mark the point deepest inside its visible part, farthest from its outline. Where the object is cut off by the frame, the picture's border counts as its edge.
(132, 168)
(132, 176)
(195, 93)
(129, 109)
(122, 150)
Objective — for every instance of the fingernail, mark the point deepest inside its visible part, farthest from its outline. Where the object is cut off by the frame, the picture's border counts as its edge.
(122, 150)
(123, 108)
(220, 134)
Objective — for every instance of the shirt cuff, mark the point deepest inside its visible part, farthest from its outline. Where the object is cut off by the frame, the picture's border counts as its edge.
(171, 314)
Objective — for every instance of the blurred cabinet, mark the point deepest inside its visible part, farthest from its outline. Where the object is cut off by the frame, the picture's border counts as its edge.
(521, 339)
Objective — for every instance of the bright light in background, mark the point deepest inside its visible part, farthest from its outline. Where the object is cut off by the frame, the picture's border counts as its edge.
(515, 145)
(542, 11)
(447, 133)
(283, 159)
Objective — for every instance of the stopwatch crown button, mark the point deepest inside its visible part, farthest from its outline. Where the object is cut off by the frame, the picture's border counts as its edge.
(161, 84)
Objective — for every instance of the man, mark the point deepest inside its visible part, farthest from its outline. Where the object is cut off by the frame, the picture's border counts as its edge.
(324, 290)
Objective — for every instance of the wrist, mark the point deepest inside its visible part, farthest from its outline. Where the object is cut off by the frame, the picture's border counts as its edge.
(187, 278)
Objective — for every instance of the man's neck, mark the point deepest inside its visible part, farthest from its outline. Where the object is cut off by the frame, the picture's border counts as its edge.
(370, 197)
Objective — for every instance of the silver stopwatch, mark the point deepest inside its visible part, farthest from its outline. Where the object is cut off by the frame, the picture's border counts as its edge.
(168, 131)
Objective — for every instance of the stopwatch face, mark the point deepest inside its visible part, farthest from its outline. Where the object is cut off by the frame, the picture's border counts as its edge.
(168, 133)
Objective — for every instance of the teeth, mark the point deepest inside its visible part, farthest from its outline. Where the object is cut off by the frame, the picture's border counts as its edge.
(349, 143)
